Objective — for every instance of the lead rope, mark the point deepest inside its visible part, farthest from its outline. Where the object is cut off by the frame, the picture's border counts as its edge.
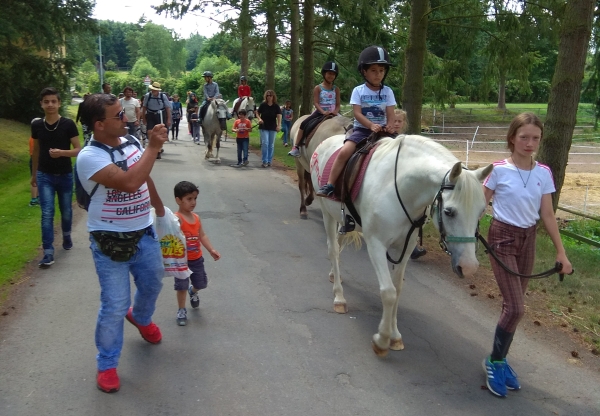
(556, 269)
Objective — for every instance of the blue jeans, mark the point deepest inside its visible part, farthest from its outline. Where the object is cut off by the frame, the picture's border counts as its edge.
(61, 185)
(242, 149)
(267, 145)
(286, 126)
(147, 269)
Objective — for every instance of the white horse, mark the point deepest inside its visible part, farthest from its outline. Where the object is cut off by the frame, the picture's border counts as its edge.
(212, 127)
(414, 172)
(246, 104)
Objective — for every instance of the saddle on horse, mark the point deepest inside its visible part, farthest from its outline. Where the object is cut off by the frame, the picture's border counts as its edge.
(349, 182)
(311, 127)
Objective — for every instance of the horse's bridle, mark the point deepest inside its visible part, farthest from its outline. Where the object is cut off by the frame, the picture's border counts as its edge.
(436, 210)
(437, 204)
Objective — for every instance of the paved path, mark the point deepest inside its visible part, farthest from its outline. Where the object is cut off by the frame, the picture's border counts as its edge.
(265, 340)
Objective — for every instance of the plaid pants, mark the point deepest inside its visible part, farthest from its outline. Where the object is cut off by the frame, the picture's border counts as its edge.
(515, 247)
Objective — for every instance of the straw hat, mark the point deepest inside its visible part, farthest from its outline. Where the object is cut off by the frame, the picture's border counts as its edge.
(155, 86)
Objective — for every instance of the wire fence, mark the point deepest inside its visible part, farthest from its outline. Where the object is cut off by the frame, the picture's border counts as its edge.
(480, 145)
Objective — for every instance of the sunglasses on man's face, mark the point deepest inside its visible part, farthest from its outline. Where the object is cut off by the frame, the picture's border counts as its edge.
(119, 116)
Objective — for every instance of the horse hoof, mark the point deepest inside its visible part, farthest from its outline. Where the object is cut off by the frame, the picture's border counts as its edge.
(340, 308)
(396, 344)
(378, 351)
(331, 279)
(304, 216)
(218, 162)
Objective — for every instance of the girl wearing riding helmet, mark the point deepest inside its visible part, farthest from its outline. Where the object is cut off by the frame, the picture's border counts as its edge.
(373, 105)
(243, 89)
(326, 98)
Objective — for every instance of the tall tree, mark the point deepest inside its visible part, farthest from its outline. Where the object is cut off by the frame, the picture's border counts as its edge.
(33, 50)
(245, 26)
(309, 57)
(270, 15)
(412, 90)
(575, 32)
(295, 56)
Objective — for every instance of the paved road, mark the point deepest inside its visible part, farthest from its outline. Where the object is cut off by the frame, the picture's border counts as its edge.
(265, 340)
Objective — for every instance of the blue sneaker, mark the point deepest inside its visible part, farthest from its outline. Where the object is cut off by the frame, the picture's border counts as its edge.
(511, 380)
(495, 378)
(326, 190)
(47, 261)
(182, 317)
(67, 242)
(194, 297)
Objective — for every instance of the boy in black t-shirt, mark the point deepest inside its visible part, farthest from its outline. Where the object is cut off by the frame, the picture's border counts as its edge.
(55, 142)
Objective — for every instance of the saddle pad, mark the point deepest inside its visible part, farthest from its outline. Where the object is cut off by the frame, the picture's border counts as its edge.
(359, 178)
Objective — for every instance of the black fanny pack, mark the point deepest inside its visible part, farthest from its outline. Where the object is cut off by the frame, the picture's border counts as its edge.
(117, 245)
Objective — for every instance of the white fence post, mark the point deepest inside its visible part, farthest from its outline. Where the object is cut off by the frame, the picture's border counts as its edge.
(467, 161)
(475, 135)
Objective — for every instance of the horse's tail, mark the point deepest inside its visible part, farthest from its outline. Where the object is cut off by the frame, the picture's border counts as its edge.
(353, 238)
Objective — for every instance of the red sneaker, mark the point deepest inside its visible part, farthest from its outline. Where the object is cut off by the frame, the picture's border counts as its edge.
(108, 380)
(150, 333)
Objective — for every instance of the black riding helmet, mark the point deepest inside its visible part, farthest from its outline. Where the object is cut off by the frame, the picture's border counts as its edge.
(242, 78)
(207, 74)
(330, 66)
(374, 55)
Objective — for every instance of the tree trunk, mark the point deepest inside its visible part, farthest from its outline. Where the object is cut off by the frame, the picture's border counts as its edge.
(502, 92)
(308, 67)
(245, 25)
(295, 56)
(271, 42)
(565, 92)
(412, 90)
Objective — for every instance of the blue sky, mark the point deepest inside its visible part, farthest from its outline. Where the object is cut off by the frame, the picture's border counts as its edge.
(131, 10)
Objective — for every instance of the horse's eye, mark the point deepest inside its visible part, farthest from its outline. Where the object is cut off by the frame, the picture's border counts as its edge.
(449, 212)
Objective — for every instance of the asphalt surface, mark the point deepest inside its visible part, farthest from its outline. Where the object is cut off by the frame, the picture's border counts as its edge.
(265, 340)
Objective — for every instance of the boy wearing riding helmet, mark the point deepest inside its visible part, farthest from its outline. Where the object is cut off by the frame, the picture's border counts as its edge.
(373, 105)
(326, 98)
(211, 91)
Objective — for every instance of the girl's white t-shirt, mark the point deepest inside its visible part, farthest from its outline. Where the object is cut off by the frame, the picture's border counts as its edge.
(373, 103)
(513, 202)
(111, 209)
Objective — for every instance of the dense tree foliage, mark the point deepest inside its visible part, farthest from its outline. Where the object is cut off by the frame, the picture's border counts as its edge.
(32, 41)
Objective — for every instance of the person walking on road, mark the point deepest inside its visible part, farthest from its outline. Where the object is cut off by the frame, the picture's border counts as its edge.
(156, 109)
(116, 173)
(132, 111)
(55, 142)
(522, 190)
(269, 123)
(186, 194)
(176, 112)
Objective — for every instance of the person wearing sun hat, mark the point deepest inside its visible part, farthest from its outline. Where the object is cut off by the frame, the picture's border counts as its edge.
(156, 108)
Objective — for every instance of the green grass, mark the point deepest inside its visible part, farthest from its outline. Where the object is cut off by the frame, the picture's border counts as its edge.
(488, 113)
(20, 224)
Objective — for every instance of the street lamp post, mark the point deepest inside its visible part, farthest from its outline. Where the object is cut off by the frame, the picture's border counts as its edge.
(101, 69)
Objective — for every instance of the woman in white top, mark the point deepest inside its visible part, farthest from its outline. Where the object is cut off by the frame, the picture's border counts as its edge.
(522, 191)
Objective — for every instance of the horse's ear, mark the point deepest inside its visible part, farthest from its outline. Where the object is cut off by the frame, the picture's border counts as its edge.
(455, 173)
(483, 173)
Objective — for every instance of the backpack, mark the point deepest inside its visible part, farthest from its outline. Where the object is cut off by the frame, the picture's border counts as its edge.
(81, 195)
(149, 97)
